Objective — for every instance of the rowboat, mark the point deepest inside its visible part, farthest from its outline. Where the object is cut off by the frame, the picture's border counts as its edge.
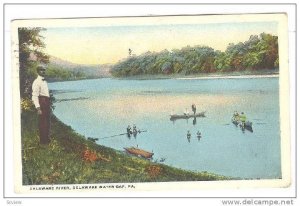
(139, 152)
(247, 126)
(186, 116)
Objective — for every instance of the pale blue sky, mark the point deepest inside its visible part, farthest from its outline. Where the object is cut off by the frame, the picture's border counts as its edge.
(101, 45)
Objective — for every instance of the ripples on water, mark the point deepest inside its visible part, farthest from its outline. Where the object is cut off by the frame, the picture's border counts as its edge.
(105, 107)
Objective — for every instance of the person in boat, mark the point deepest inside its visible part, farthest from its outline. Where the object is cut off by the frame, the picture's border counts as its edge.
(134, 130)
(172, 112)
(186, 112)
(236, 116)
(243, 119)
(194, 108)
(198, 135)
(129, 132)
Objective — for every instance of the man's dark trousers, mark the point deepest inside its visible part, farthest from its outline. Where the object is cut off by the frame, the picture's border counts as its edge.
(44, 120)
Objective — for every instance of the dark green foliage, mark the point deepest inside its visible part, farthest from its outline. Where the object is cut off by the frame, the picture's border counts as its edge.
(257, 53)
(30, 55)
(56, 73)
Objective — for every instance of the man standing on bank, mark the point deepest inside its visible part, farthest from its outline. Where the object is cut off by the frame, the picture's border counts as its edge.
(194, 109)
(41, 100)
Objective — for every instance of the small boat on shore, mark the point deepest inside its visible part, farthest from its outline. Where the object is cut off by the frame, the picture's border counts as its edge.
(186, 116)
(139, 152)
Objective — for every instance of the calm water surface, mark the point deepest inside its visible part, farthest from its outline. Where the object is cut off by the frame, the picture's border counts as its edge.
(105, 107)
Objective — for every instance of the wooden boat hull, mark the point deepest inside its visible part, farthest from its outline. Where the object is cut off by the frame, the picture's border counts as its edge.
(139, 152)
(248, 125)
(184, 116)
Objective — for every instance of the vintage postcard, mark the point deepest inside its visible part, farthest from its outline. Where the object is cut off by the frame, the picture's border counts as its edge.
(151, 103)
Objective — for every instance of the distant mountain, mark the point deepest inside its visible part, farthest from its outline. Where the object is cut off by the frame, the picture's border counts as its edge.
(90, 70)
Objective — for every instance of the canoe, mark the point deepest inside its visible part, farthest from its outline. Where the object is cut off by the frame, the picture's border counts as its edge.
(187, 116)
(248, 125)
(139, 152)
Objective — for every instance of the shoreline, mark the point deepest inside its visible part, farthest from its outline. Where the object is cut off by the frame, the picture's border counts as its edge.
(68, 163)
(231, 77)
(150, 77)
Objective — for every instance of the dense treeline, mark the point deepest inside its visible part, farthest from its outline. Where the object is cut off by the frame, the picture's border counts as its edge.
(56, 73)
(259, 52)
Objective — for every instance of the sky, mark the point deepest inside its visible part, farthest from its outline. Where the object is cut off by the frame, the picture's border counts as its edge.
(110, 44)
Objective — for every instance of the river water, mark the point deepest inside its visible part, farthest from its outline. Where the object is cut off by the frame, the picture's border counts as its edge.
(101, 108)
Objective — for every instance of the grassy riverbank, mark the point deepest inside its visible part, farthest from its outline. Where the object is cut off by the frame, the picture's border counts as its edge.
(71, 159)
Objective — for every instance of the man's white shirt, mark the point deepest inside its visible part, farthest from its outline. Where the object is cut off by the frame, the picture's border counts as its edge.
(39, 88)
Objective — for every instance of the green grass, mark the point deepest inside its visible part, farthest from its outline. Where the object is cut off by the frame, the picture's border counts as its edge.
(62, 161)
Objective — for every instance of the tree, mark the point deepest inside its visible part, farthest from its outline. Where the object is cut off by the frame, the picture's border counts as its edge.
(166, 68)
(258, 52)
(223, 61)
(31, 53)
(270, 43)
(252, 60)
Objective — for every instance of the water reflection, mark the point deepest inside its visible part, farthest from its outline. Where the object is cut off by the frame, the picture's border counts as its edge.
(223, 150)
(188, 136)
(132, 107)
(198, 135)
(194, 121)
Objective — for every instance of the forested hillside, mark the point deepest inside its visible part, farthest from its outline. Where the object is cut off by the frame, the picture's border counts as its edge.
(59, 69)
(57, 73)
(257, 53)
